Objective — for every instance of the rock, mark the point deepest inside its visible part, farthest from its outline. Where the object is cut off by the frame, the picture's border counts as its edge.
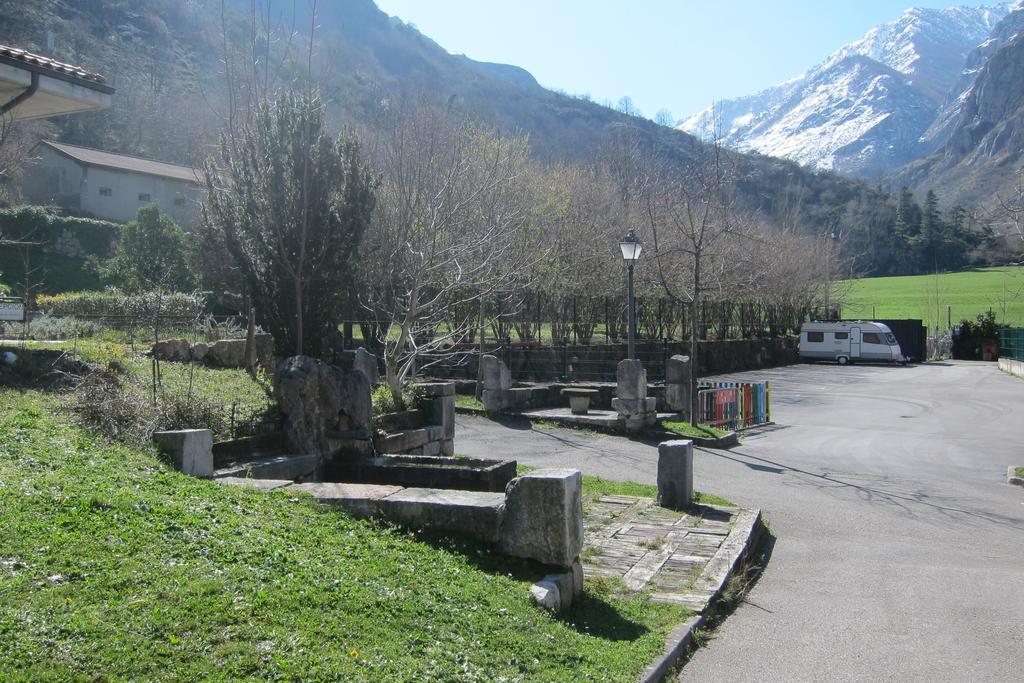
(172, 350)
(545, 594)
(230, 353)
(496, 375)
(564, 582)
(675, 474)
(577, 578)
(631, 380)
(199, 351)
(366, 363)
(191, 450)
(319, 401)
(227, 353)
(677, 370)
(544, 516)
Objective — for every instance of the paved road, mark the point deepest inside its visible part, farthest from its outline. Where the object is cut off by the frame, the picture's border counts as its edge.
(900, 551)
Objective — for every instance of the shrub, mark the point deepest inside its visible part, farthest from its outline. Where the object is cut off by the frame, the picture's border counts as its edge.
(121, 409)
(383, 401)
(50, 327)
(119, 304)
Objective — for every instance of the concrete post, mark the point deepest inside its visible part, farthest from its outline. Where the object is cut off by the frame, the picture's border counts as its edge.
(544, 517)
(191, 450)
(675, 474)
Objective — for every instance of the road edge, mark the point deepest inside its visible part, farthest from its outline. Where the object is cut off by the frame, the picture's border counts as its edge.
(733, 550)
(1012, 478)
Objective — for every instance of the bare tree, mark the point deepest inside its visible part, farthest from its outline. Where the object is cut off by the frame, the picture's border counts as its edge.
(450, 231)
(697, 224)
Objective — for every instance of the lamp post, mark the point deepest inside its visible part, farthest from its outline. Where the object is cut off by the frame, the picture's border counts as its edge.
(631, 247)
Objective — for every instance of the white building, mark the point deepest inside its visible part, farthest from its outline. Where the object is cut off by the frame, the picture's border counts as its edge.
(110, 186)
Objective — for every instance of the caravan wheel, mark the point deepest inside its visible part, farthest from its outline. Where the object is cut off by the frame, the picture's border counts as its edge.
(842, 360)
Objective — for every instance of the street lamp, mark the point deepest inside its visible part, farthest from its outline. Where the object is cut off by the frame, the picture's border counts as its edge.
(631, 247)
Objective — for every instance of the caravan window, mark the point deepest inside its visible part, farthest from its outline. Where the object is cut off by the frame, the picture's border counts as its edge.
(872, 338)
(815, 336)
(842, 335)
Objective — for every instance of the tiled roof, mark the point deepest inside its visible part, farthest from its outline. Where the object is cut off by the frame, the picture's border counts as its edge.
(50, 64)
(122, 162)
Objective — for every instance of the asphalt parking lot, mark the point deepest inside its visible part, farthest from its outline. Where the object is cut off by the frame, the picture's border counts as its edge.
(900, 548)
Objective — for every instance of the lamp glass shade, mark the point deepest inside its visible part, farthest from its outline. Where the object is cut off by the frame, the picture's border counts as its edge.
(631, 247)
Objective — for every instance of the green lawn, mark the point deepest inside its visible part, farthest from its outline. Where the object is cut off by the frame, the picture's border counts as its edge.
(1020, 472)
(926, 297)
(115, 567)
(700, 431)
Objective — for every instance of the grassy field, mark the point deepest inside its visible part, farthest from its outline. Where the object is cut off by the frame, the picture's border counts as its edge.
(115, 567)
(967, 294)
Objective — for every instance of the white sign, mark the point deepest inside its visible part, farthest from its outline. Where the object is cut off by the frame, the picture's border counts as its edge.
(12, 309)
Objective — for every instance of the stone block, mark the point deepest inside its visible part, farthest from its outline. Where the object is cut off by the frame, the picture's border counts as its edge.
(675, 474)
(475, 514)
(577, 578)
(448, 448)
(565, 588)
(199, 351)
(319, 401)
(496, 374)
(545, 594)
(677, 370)
(432, 448)
(191, 450)
(290, 467)
(631, 380)
(677, 397)
(366, 363)
(435, 389)
(544, 516)
(496, 400)
(359, 500)
(260, 484)
(402, 442)
(172, 350)
(444, 415)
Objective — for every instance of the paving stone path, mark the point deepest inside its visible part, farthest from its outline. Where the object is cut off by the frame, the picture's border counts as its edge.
(653, 548)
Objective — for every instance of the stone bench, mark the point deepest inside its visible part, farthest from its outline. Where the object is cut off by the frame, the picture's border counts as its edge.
(579, 399)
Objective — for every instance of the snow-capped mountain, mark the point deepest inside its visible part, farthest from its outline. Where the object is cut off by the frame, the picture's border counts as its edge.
(867, 108)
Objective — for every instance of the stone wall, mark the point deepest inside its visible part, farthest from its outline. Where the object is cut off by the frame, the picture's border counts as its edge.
(1011, 366)
(226, 353)
(598, 363)
(428, 430)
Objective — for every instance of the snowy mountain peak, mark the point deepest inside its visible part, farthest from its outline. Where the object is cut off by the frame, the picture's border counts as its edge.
(890, 82)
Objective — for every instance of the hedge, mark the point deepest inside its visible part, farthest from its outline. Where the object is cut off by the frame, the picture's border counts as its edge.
(118, 304)
(37, 224)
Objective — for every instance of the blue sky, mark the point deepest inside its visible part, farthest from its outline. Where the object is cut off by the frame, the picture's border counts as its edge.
(674, 54)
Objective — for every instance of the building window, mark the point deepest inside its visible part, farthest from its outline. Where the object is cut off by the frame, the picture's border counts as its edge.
(815, 336)
(143, 196)
(842, 335)
(106, 192)
(179, 201)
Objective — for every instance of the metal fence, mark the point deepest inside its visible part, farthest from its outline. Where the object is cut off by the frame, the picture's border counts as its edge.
(1011, 343)
(735, 405)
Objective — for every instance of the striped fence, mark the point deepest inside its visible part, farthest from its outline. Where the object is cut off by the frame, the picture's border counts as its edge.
(735, 405)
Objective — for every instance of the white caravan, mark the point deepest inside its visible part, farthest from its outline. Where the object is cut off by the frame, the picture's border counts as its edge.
(845, 342)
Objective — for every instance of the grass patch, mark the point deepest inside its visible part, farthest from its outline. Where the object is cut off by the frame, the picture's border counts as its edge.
(113, 566)
(968, 293)
(467, 401)
(700, 431)
(595, 487)
(1020, 472)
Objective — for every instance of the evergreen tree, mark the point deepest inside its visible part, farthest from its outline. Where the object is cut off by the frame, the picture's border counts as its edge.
(153, 253)
(291, 204)
(907, 233)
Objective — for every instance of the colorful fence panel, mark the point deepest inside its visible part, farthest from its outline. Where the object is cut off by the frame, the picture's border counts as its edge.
(735, 405)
